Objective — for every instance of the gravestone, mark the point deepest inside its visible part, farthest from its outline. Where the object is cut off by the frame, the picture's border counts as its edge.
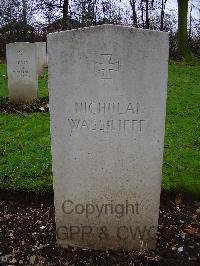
(22, 72)
(40, 57)
(44, 53)
(107, 88)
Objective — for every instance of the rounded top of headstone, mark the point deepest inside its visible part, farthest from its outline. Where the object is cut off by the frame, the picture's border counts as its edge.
(107, 27)
(13, 44)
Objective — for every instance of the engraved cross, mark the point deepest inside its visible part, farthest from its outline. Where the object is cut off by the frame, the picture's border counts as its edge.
(106, 66)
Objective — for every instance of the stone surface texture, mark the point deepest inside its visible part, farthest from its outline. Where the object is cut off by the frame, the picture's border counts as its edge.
(22, 72)
(40, 57)
(108, 87)
(44, 53)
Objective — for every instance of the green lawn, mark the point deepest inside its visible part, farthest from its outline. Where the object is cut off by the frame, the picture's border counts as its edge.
(3, 81)
(25, 159)
(181, 170)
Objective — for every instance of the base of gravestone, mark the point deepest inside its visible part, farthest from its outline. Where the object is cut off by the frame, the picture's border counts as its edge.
(38, 235)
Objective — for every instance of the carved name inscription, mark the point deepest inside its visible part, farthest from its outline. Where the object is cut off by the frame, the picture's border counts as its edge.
(107, 125)
(110, 107)
(22, 69)
(129, 120)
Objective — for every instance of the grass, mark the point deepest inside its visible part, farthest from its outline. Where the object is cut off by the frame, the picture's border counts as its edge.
(3, 81)
(25, 158)
(181, 169)
(25, 152)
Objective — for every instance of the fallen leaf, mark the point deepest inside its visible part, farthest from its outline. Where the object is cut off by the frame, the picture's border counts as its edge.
(7, 216)
(13, 261)
(42, 227)
(178, 199)
(198, 211)
(191, 230)
(180, 249)
(32, 259)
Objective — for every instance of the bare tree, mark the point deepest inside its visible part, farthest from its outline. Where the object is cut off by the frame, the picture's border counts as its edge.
(147, 14)
(51, 8)
(183, 45)
(134, 12)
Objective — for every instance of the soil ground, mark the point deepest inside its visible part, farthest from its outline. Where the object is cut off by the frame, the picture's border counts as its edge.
(27, 236)
(40, 105)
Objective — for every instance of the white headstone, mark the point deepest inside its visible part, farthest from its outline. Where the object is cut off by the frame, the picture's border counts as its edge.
(40, 57)
(107, 88)
(22, 72)
(44, 53)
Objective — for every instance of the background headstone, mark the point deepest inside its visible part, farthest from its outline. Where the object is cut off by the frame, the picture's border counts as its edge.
(22, 72)
(107, 88)
(44, 53)
(40, 57)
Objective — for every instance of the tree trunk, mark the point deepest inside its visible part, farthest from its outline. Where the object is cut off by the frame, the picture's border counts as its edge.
(65, 12)
(162, 16)
(134, 14)
(183, 45)
(142, 16)
(147, 14)
(190, 28)
(24, 11)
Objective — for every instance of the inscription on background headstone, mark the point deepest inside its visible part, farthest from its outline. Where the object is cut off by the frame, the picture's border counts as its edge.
(22, 71)
(107, 88)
